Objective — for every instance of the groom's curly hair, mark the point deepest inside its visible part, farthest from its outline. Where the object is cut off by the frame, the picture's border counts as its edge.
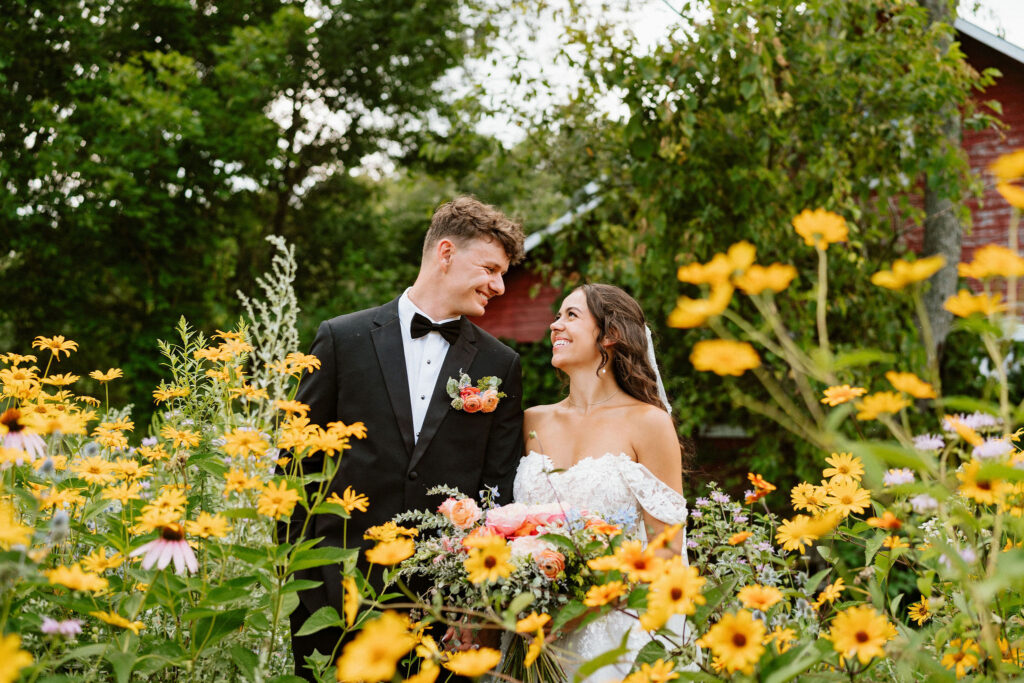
(466, 218)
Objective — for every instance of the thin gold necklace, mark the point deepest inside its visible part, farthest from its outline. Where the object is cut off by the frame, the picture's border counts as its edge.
(595, 403)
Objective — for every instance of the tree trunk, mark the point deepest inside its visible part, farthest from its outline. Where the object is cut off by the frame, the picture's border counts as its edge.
(943, 233)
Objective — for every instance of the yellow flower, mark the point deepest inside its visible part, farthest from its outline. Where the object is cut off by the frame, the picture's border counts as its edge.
(882, 402)
(919, 611)
(374, 652)
(111, 374)
(1008, 167)
(659, 671)
(717, 271)
(992, 260)
(532, 622)
(489, 560)
(909, 383)
(115, 619)
(862, 632)
(12, 658)
(12, 532)
(782, 637)
(94, 469)
(887, 521)
(56, 345)
(739, 537)
(690, 313)
(737, 640)
(847, 496)
(301, 362)
(427, 674)
(98, 562)
(964, 304)
(248, 392)
(153, 452)
(676, 591)
(391, 552)
(244, 442)
(74, 578)
(820, 228)
(724, 357)
(961, 656)
(350, 604)
(167, 393)
(981, 490)
(1013, 194)
(894, 543)
(180, 437)
(807, 496)
(829, 593)
(276, 502)
(639, 563)
(845, 467)
(603, 594)
(841, 394)
(904, 273)
(757, 279)
(171, 499)
(61, 380)
(206, 525)
(473, 663)
(965, 431)
(759, 597)
(388, 531)
(794, 534)
(292, 407)
(237, 480)
(123, 492)
(350, 500)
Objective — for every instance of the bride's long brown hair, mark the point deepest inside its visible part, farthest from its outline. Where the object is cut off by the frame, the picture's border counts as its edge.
(621, 321)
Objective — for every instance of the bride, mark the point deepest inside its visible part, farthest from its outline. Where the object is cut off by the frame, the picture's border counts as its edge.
(610, 444)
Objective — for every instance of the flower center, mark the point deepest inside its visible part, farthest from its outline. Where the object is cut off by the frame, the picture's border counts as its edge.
(677, 594)
(490, 561)
(10, 419)
(862, 637)
(172, 532)
(739, 640)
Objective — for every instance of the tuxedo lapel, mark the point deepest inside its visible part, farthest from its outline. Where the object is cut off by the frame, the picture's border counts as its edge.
(387, 341)
(458, 359)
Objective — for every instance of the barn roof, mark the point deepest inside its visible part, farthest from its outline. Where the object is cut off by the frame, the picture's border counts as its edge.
(989, 39)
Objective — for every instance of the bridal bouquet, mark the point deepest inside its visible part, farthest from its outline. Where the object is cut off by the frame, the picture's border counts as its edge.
(501, 561)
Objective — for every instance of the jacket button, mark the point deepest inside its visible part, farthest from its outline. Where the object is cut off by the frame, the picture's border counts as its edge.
(413, 476)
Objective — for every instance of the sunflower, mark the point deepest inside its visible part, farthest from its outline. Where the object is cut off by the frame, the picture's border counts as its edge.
(920, 611)
(820, 228)
(374, 653)
(759, 597)
(845, 468)
(489, 560)
(842, 394)
(847, 497)
(862, 632)
(961, 656)
(737, 640)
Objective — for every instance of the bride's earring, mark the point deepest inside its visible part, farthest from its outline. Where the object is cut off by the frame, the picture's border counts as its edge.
(604, 371)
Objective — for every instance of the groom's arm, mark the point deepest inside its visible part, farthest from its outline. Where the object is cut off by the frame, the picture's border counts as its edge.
(505, 443)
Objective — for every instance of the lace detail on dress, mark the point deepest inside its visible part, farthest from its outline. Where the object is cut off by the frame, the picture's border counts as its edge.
(607, 485)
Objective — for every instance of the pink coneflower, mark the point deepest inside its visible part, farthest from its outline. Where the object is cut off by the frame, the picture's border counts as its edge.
(170, 546)
(19, 437)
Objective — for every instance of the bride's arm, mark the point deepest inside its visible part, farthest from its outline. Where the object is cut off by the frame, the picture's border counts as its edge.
(657, 448)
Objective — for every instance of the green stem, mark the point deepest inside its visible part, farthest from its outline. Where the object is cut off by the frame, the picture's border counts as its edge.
(822, 302)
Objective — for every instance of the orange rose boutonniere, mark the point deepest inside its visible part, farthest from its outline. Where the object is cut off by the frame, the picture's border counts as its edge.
(482, 398)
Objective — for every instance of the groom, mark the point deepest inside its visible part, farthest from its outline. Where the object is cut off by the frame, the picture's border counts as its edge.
(388, 367)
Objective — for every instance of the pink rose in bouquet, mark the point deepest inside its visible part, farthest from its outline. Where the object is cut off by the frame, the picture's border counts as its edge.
(550, 562)
(507, 518)
(463, 513)
(527, 546)
(490, 400)
(517, 519)
(472, 403)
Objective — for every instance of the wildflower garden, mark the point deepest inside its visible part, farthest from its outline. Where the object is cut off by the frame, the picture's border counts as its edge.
(150, 550)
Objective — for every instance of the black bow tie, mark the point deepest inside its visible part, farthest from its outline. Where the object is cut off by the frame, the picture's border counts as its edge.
(421, 325)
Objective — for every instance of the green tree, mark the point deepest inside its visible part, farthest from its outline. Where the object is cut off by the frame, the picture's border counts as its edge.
(146, 149)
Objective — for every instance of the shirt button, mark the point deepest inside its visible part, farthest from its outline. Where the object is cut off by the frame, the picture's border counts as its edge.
(428, 362)
(413, 476)
(422, 397)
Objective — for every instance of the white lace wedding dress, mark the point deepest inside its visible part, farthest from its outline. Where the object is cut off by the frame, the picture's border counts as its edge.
(608, 485)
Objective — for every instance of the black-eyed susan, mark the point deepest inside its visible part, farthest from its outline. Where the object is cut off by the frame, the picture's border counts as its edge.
(488, 560)
(820, 228)
(639, 563)
(724, 357)
(677, 590)
(277, 501)
(842, 394)
(920, 611)
(473, 663)
(961, 656)
(387, 553)
(845, 467)
(759, 597)
(848, 497)
(982, 490)
(737, 640)
(860, 632)
(374, 653)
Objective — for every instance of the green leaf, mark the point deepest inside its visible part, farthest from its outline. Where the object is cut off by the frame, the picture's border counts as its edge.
(861, 357)
(246, 661)
(873, 544)
(790, 665)
(209, 630)
(325, 617)
(572, 609)
(299, 585)
(316, 557)
(650, 653)
(122, 663)
(519, 603)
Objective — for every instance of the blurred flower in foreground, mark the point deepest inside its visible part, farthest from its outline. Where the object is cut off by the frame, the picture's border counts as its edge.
(820, 228)
(724, 357)
(841, 394)
(904, 273)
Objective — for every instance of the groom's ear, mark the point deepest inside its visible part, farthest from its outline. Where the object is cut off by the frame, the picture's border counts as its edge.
(444, 250)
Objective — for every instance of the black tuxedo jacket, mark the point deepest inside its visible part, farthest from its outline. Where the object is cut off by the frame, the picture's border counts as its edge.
(362, 378)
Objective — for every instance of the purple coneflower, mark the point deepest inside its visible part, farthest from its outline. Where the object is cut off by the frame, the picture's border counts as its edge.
(19, 437)
(170, 546)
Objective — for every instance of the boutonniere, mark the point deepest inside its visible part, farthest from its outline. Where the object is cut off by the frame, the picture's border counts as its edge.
(482, 398)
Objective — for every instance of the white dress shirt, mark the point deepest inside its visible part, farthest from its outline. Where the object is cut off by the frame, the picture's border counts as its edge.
(423, 359)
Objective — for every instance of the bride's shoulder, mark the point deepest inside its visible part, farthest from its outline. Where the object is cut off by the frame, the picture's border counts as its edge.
(540, 412)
